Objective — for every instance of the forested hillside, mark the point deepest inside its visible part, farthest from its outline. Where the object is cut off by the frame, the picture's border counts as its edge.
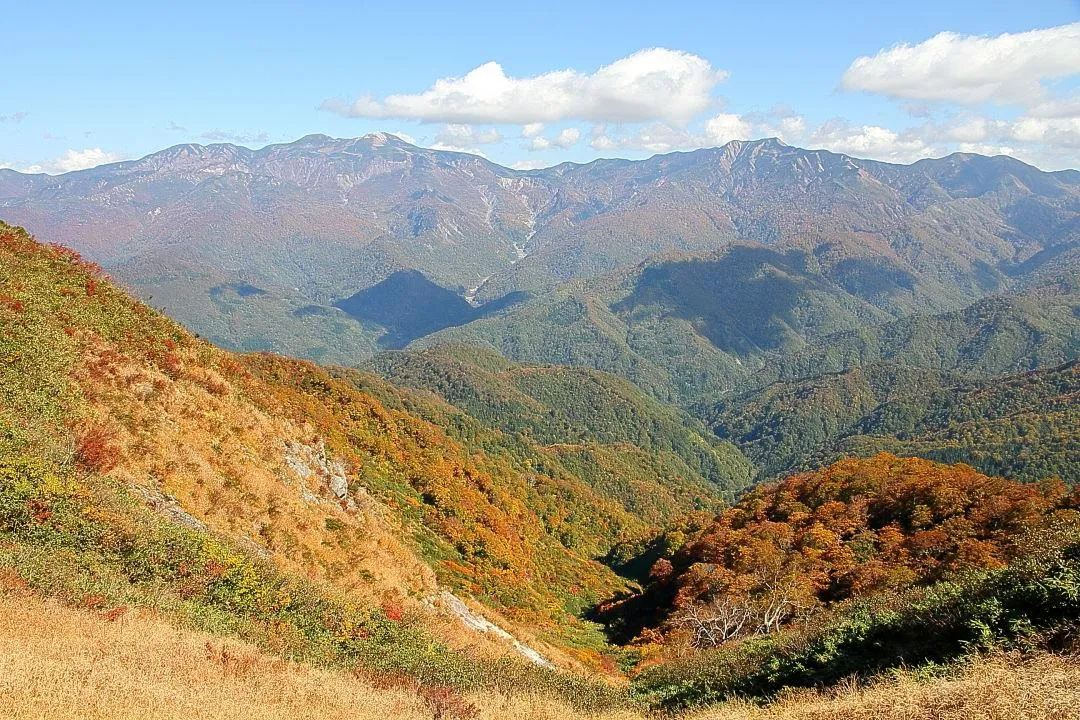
(568, 409)
(338, 476)
(322, 515)
(815, 543)
(1023, 426)
(695, 330)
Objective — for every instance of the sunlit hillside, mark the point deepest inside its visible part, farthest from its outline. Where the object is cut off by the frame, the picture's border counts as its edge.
(357, 488)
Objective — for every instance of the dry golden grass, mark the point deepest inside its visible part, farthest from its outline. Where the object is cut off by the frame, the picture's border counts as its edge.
(1046, 687)
(56, 662)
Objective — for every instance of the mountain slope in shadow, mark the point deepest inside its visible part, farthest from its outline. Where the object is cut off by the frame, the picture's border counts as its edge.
(409, 306)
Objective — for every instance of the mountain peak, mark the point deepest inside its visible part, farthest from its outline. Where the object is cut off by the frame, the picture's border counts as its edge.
(314, 139)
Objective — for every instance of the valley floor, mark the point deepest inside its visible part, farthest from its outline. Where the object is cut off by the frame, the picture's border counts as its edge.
(56, 662)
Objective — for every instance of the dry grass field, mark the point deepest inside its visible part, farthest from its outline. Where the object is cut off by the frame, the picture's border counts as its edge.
(56, 662)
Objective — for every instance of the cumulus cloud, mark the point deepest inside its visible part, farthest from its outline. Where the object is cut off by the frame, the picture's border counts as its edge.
(75, 160)
(717, 130)
(872, 141)
(465, 138)
(565, 140)
(725, 127)
(1008, 68)
(653, 84)
(530, 165)
(1060, 132)
(655, 137)
(532, 129)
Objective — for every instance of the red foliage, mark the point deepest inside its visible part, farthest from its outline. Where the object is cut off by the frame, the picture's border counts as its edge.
(39, 510)
(93, 601)
(171, 364)
(96, 450)
(661, 570)
(115, 614)
(12, 304)
(394, 611)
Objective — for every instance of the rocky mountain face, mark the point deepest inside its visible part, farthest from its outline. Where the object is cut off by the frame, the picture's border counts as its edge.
(258, 248)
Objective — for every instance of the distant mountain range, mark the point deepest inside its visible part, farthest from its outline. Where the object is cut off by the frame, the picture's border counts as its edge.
(309, 247)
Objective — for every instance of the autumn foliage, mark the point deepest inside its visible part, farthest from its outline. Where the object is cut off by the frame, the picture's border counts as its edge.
(96, 449)
(852, 529)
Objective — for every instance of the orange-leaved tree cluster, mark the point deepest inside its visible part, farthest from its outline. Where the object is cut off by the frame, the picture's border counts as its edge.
(855, 528)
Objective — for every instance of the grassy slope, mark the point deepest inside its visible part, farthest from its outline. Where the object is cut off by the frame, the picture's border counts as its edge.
(95, 384)
(138, 667)
(238, 441)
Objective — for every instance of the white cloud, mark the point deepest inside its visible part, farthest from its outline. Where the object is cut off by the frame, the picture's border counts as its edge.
(653, 84)
(984, 149)
(530, 165)
(565, 140)
(602, 142)
(971, 130)
(532, 130)
(1008, 68)
(465, 138)
(454, 148)
(404, 136)
(791, 127)
(725, 127)
(75, 160)
(872, 141)
(718, 130)
(1056, 108)
(655, 137)
(1062, 132)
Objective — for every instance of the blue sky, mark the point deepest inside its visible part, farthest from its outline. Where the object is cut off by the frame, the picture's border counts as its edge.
(88, 83)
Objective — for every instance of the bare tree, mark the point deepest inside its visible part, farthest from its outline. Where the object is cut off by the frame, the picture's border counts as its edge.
(723, 618)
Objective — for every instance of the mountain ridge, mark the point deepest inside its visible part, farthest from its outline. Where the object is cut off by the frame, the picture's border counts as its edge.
(320, 219)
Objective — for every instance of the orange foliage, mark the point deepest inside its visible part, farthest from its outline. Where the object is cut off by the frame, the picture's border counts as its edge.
(851, 529)
(96, 450)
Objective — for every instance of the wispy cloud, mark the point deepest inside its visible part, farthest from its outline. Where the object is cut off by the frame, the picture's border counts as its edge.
(221, 136)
